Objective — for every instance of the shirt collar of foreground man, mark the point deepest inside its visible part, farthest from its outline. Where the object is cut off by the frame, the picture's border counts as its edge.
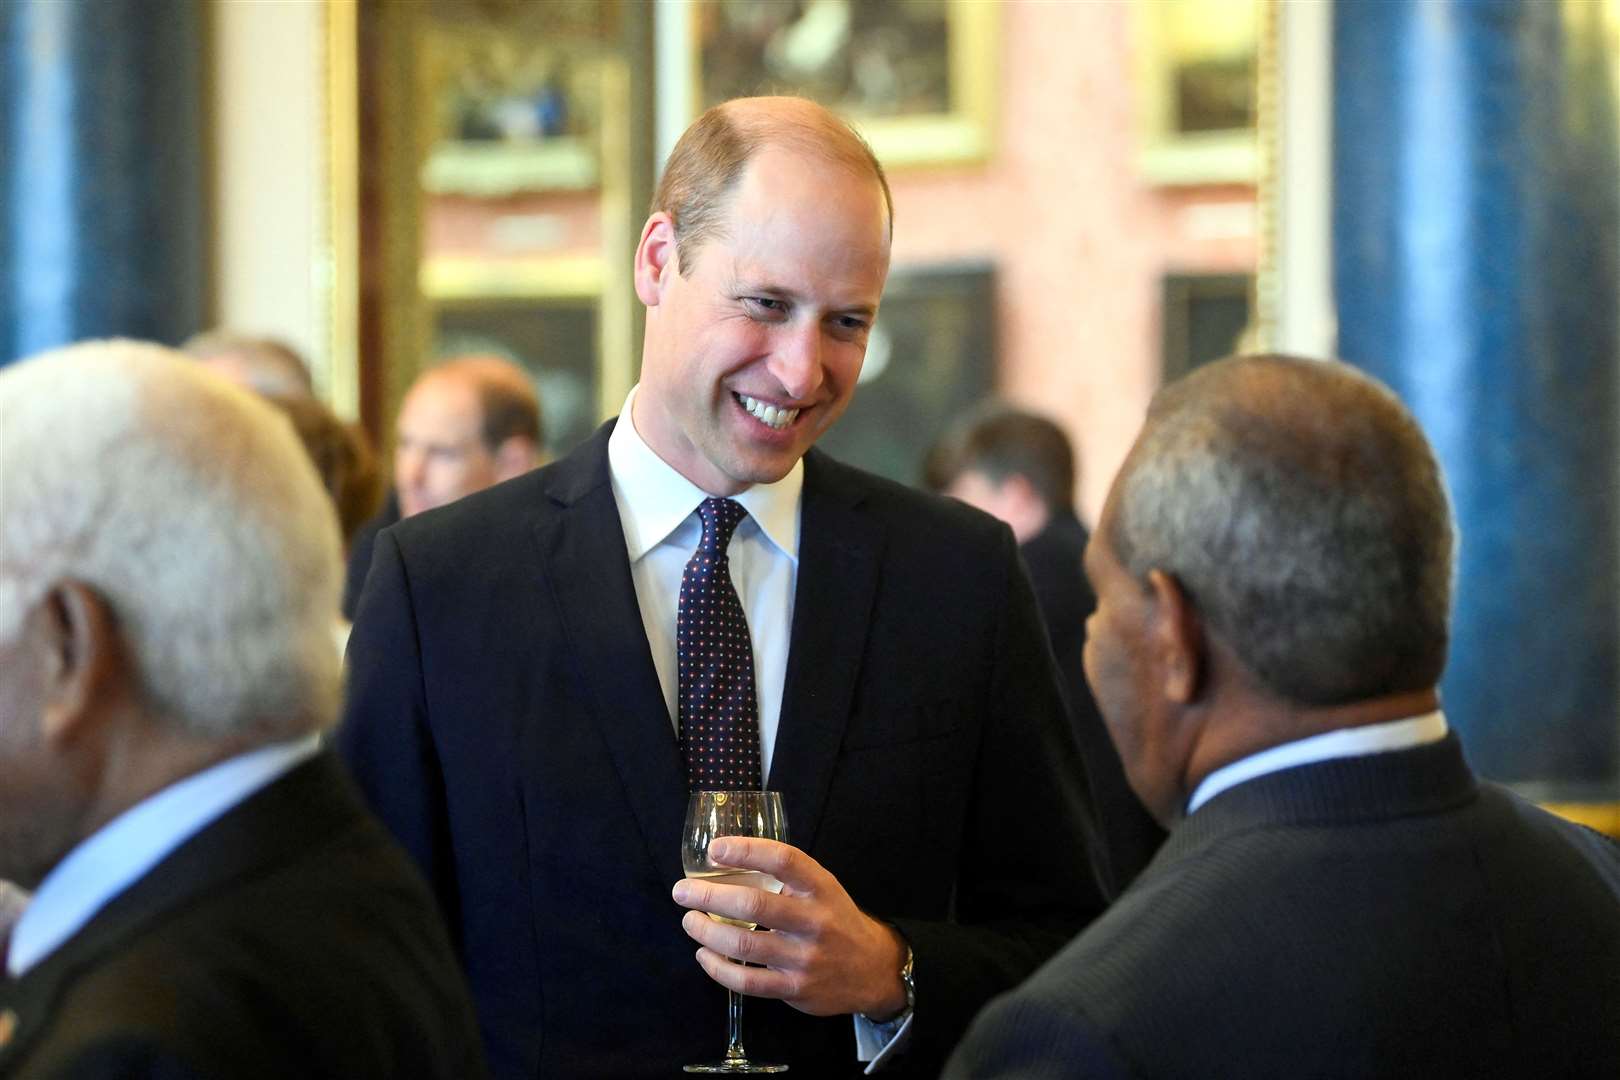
(169, 575)
(1339, 895)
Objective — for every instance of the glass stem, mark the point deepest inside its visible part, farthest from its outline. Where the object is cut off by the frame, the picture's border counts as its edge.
(734, 1046)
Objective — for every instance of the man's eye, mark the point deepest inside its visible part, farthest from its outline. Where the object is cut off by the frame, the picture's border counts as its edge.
(765, 305)
(850, 326)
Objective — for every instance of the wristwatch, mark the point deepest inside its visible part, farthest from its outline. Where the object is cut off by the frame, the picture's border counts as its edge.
(905, 979)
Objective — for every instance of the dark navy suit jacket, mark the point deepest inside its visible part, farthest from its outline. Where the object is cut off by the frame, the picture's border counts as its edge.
(1377, 916)
(506, 721)
(288, 938)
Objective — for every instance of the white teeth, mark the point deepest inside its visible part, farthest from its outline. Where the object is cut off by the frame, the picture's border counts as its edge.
(769, 415)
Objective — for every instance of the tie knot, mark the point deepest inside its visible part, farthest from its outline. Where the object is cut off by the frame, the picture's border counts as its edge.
(720, 518)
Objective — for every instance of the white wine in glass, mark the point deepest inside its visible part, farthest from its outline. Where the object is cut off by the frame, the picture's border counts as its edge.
(731, 813)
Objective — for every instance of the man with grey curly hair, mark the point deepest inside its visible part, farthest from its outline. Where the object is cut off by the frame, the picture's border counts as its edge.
(1339, 894)
(210, 896)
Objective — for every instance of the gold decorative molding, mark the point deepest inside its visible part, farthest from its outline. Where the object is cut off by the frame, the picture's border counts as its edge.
(1604, 817)
(337, 269)
(451, 278)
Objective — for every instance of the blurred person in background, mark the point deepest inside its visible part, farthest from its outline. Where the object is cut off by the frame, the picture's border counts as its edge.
(1020, 467)
(264, 364)
(1339, 894)
(466, 424)
(211, 898)
(344, 461)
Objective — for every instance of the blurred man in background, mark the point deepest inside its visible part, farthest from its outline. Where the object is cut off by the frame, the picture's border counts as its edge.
(263, 364)
(1020, 467)
(1339, 894)
(211, 897)
(466, 424)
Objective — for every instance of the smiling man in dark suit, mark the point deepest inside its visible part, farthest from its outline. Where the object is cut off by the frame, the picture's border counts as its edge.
(211, 897)
(526, 713)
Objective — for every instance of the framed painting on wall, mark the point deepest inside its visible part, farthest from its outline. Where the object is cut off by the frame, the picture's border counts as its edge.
(1196, 89)
(932, 354)
(916, 76)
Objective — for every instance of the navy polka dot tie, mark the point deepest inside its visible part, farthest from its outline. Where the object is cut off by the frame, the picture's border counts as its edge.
(718, 715)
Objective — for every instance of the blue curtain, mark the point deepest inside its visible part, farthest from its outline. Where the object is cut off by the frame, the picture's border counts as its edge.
(101, 172)
(1476, 231)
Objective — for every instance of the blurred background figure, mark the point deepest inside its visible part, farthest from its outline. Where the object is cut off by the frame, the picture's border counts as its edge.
(264, 364)
(1020, 467)
(466, 424)
(210, 896)
(344, 461)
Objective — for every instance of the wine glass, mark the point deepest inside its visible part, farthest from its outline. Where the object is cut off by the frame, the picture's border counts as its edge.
(732, 813)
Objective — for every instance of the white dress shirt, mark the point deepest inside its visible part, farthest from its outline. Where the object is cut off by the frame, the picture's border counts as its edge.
(1346, 742)
(658, 509)
(125, 849)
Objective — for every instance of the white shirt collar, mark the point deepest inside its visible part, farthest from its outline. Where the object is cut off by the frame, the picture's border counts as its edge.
(1345, 742)
(654, 499)
(122, 851)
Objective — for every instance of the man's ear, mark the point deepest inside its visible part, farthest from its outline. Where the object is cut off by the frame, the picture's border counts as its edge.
(1178, 637)
(516, 455)
(654, 254)
(83, 658)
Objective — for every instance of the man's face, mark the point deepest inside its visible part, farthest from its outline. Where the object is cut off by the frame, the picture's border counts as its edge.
(755, 350)
(1124, 677)
(440, 454)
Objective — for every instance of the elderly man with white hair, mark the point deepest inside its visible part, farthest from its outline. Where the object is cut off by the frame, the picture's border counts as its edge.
(211, 898)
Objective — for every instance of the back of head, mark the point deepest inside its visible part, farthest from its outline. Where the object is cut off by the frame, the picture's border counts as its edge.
(262, 364)
(1000, 442)
(1302, 510)
(709, 159)
(190, 507)
(342, 457)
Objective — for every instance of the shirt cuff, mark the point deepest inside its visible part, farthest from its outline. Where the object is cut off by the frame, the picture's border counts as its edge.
(876, 1043)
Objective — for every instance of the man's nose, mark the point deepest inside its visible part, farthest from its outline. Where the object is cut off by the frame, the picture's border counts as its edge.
(408, 466)
(797, 364)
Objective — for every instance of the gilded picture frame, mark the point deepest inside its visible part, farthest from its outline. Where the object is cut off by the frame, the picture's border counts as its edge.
(918, 78)
(1196, 64)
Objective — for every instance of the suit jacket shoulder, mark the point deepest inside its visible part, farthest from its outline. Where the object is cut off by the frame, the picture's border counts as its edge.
(288, 938)
(1376, 916)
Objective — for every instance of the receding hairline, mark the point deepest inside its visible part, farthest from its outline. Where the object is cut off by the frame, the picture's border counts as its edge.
(793, 124)
(500, 389)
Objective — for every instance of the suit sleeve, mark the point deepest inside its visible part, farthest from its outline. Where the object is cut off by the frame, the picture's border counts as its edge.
(1027, 880)
(385, 736)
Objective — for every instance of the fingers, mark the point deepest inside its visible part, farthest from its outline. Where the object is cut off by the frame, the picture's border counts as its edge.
(792, 867)
(739, 943)
(742, 903)
(754, 981)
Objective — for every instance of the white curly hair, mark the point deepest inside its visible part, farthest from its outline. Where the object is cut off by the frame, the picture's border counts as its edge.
(191, 508)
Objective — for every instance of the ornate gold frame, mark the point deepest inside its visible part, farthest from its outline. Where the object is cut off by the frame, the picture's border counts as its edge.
(966, 133)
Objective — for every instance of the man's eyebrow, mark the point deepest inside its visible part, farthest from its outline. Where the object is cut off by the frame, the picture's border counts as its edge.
(746, 286)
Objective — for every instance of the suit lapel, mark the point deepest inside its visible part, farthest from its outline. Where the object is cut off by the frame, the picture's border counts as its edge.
(582, 549)
(839, 549)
